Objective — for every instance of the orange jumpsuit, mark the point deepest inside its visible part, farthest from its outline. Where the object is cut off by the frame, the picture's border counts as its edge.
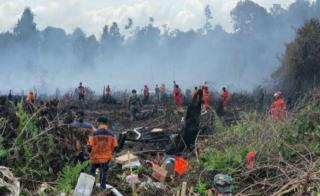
(278, 109)
(225, 96)
(30, 97)
(206, 97)
(177, 96)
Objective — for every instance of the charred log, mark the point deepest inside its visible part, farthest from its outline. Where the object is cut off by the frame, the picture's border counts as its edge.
(187, 137)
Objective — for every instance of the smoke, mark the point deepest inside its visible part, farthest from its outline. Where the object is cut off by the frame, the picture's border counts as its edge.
(131, 56)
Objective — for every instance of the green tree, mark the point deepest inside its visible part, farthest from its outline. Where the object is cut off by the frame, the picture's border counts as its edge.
(300, 68)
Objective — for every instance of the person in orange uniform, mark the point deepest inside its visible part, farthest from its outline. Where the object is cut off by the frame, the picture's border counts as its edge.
(82, 92)
(30, 97)
(146, 94)
(101, 145)
(278, 107)
(177, 95)
(225, 97)
(205, 91)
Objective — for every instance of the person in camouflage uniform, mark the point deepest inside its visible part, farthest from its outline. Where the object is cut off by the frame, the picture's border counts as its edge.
(134, 105)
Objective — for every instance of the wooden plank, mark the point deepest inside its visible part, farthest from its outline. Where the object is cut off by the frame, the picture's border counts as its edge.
(191, 191)
(184, 189)
(159, 173)
(124, 159)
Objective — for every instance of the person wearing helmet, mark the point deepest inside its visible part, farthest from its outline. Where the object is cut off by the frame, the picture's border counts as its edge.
(134, 105)
(278, 108)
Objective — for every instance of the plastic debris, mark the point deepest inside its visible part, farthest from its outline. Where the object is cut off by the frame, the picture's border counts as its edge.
(181, 165)
(150, 184)
(156, 130)
(132, 179)
(250, 159)
(84, 185)
(114, 190)
(132, 165)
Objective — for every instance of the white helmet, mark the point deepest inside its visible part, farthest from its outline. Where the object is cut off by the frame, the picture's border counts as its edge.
(277, 94)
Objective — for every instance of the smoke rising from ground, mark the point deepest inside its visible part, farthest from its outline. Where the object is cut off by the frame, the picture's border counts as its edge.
(243, 59)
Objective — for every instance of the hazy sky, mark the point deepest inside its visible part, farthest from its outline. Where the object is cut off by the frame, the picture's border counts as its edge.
(92, 15)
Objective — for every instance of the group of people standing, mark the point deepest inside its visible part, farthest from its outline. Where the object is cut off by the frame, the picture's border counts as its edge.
(277, 109)
(159, 92)
(178, 96)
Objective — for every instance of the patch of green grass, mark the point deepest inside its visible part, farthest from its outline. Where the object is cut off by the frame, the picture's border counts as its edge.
(69, 177)
(201, 189)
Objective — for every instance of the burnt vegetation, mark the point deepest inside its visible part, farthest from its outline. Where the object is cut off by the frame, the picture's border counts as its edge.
(46, 154)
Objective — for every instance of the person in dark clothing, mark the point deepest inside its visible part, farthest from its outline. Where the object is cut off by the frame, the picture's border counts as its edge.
(10, 98)
(134, 105)
(157, 93)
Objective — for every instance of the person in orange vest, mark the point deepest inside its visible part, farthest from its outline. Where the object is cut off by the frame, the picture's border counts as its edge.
(278, 107)
(82, 92)
(146, 94)
(177, 95)
(205, 91)
(101, 145)
(30, 97)
(225, 97)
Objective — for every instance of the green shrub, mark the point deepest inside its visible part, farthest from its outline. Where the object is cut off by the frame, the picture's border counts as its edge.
(143, 171)
(227, 161)
(69, 177)
(25, 124)
(201, 189)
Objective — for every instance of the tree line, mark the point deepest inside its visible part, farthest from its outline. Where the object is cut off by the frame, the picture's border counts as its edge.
(242, 58)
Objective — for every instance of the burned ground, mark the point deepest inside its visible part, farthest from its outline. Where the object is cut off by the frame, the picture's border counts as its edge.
(38, 143)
